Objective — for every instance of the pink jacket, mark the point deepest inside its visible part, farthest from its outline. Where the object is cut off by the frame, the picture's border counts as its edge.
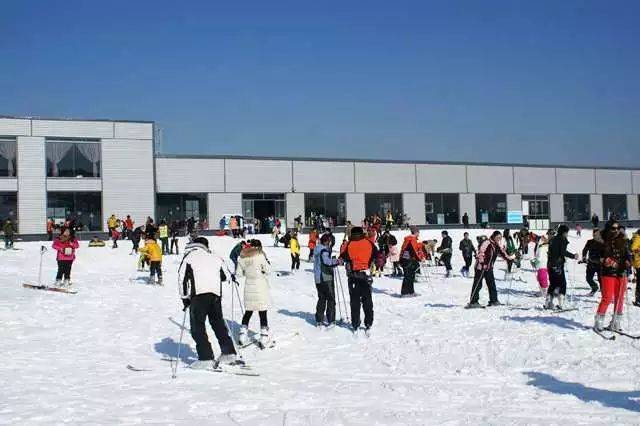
(66, 250)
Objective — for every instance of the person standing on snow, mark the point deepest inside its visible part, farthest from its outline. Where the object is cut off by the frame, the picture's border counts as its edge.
(153, 254)
(295, 252)
(323, 272)
(446, 251)
(313, 241)
(468, 251)
(592, 255)
(65, 246)
(411, 254)
(200, 278)
(635, 253)
(174, 231)
(255, 267)
(358, 254)
(488, 252)
(555, 263)
(9, 231)
(616, 260)
(465, 220)
(510, 247)
(539, 262)
(163, 231)
(136, 236)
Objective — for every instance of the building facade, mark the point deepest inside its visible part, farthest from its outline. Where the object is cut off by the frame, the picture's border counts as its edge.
(92, 169)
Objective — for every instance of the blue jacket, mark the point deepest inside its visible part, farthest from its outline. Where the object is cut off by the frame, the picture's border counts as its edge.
(323, 264)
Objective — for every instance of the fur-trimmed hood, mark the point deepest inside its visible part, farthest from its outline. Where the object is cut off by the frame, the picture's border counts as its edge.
(250, 252)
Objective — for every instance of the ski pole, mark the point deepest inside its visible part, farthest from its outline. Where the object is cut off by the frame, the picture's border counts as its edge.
(43, 249)
(175, 367)
(344, 300)
(509, 293)
(336, 297)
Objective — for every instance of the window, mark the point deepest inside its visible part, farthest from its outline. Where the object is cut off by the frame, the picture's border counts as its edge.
(442, 208)
(491, 208)
(180, 207)
(381, 204)
(83, 207)
(615, 205)
(8, 151)
(535, 206)
(76, 158)
(327, 205)
(577, 207)
(9, 207)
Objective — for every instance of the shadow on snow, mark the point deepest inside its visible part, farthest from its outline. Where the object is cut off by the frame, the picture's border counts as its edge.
(567, 324)
(169, 348)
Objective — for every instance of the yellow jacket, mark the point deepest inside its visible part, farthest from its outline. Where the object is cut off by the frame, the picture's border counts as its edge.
(112, 222)
(294, 246)
(153, 251)
(635, 251)
(164, 231)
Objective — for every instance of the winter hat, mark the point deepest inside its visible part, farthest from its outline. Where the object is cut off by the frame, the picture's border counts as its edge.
(414, 229)
(357, 233)
(563, 229)
(201, 240)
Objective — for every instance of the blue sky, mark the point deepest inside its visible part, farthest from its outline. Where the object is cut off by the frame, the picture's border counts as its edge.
(496, 81)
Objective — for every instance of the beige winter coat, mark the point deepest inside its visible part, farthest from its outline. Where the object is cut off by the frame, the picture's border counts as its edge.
(255, 268)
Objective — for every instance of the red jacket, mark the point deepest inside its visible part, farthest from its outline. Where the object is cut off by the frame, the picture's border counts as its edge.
(359, 253)
(488, 252)
(66, 249)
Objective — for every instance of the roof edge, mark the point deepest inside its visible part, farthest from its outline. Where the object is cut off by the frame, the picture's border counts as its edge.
(107, 120)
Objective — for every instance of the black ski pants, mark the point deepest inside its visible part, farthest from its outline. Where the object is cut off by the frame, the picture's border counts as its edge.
(264, 322)
(557, 282)
(165, 245)
(136, 244)
(203, 306)
(155, 268)
(410, 269)
(467, 262)
(446, 259)
(174, 243)
(64, 269)
(397, 270)
(326, 302)
(637, 285)
(360, 294)
(593, 270)
(488, 277)
(295, 261)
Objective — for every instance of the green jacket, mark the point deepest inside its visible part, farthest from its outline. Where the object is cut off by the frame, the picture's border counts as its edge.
(8, 229)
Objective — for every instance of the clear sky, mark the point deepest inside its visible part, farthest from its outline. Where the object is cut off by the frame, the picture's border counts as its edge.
(498, 81)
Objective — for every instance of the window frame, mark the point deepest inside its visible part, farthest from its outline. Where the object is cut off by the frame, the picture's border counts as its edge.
(14, 141)
(75, 142)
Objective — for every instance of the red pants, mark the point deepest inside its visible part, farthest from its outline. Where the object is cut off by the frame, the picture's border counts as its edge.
(613, 290)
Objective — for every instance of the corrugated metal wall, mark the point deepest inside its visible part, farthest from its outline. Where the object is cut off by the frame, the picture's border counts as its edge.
(413, 206)
(355, 207)
(575, 181)
(223, 203)
(534, 180)
(434, 178)
(258, 176)
(385, 177)
(323, 176)
(490, 179)
(175, 175)
(613, 182)
(32, 201)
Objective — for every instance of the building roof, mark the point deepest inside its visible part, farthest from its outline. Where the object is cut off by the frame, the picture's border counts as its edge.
(109, 120)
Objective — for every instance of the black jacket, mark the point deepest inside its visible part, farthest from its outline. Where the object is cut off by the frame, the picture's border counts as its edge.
(592, 251)
(446, 246)
(557, 253)
(467, 248)
(617, 257)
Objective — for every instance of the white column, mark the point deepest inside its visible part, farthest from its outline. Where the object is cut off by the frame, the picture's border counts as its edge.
(468, 206)
(32, 193)
(556, 207)
(355, 207)
(413, 207)
(632, 207)
(295, 207)
(595, 200)
(223, 203)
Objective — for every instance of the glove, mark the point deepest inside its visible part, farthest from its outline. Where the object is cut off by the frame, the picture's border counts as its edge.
(186, 303)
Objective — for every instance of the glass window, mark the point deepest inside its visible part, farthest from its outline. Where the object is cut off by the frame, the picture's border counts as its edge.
(327, 205)
(180, 207)
(537, 206)
(491, 208)
(442, 208)
(577, 207)
(615, 205)
(381, 204)
(9, 207)
(73, 158)
(83, 207)
(8, 150)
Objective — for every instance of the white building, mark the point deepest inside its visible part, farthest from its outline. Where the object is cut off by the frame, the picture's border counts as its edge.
(90, 169)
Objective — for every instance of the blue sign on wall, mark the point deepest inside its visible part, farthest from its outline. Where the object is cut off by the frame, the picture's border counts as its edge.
(514, 216)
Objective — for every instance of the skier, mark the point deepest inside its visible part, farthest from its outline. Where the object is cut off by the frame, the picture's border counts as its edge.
(510, 247)
(332, 239)
(616, 260)
(235, 252)
(323, 273)
(153, 254)
(295, 252)
(411, 254)
(8, 230)
(136, 236)
(200, 278)
(255, 267)
(445, 250)
(591, 255)
(313, 241)
(635, 252)
(163, 230)
(488, 252)
(65, 246)
(112, 223)
(128, 223)
(555, 263)
(468, 251)
(539, 262)
(174, 232)
(358, 255)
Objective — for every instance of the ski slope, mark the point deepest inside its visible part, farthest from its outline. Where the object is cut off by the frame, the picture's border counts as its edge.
(429, 361)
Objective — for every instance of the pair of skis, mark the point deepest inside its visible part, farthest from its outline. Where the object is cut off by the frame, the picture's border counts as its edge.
(606, 336)
(238, 368)
(49, 288)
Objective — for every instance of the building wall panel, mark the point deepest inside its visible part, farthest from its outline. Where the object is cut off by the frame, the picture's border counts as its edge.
(73, 129)
(32, 201)
(632, 207)
(15, 127)
(127, 179)
(183, 175)
(221, 204)
(385, 177)
(258, 176)
(71, 184)
(556, 207)
(575, 181)
(435, 178)
(490, 179)
(8, 185)
(355, 207)
(514, 202)
(596, 205)
(295, 207)
(468, 206)
(534, 180)
(636, 181)
(133, 130)
(613, 181)
(413, 206)
(323, 176)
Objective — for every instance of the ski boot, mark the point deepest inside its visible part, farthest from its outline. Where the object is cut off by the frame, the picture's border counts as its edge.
(160, 281)
(474, 305)
(264, 336)
(66, 283)
(548, 303)
(367, 331)
(58, 283)
(205, 364)
(229, 359)
(598, 324)
(243, 335)
(616, 323)
(495, 303)
(560, 305)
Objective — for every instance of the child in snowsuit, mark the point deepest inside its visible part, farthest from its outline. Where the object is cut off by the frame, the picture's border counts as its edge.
(153, 253)
(295, 252)
(540, 263)
(313, 241)
(65, 245)
(394, 256)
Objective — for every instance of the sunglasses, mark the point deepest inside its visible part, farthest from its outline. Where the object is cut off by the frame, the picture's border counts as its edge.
(615, 228)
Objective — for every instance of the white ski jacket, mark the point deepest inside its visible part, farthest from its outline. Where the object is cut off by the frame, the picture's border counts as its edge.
(254, 266)
(200, 272)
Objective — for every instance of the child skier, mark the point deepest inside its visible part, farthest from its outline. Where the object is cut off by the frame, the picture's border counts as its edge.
(153, 253)
(313, 241)
(323, 273)
(540, 263)
(394, 255)
(65, 245)
(295, 252)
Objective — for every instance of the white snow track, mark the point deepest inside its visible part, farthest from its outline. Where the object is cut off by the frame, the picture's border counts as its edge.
(428, 361)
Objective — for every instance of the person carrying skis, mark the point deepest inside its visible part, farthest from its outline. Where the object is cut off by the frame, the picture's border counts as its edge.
(163, 231)
(468, 251)
(591, 255)
(295, 252)
(358, 255)
(446, 251)
(255, 267)
(411, 254)
(153, 255)
(65, 246)
(635, 253)
(200, 278)
(488, 252)
(615, 261)
(323, 273)
(555, 263)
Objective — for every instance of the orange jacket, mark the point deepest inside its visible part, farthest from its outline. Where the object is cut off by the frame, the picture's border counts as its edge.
(313, 239)
(360, 254)
(411, 243)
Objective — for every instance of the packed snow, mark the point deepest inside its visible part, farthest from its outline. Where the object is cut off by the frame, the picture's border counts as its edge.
(428, 361)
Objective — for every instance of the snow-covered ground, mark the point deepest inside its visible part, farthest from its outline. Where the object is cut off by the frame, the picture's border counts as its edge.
(429, 361)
